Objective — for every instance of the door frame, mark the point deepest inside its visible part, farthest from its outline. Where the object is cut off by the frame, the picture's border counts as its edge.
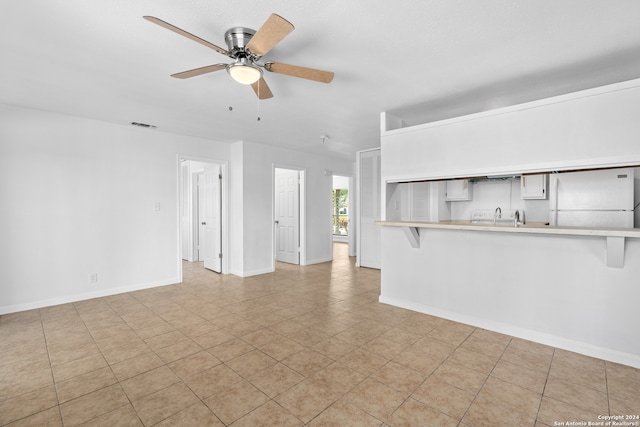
(224, 207)
(302, 213)
(197, 229)
(212, 177)
(351, 238)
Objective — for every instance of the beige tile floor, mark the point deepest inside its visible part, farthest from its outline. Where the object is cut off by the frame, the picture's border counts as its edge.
(301, 346)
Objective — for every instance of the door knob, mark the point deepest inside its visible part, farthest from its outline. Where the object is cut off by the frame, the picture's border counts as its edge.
(203, 223)
(277, 222)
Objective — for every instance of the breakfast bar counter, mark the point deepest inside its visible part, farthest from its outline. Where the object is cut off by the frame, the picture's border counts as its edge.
(615, 236)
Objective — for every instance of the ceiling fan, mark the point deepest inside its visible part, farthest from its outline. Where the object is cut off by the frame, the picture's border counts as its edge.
(246, 47)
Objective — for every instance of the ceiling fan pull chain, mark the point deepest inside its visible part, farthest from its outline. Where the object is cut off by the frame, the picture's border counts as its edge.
(258, 100)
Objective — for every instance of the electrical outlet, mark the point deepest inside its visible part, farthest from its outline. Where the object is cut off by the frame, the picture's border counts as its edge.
(93, 278)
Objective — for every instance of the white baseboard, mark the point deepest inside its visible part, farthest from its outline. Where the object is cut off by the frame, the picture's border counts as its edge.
(318, 261)
(252, 272)
(84, 296)
(587, 349)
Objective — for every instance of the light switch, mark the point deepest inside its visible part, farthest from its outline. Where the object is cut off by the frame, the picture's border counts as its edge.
(156, 206)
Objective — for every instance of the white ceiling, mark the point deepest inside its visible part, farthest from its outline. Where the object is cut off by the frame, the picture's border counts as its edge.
(419, 59)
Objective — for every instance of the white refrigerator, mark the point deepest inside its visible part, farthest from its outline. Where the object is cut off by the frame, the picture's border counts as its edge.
(598, 198)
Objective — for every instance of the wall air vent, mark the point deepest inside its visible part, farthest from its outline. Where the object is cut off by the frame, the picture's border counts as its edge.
(143, 125)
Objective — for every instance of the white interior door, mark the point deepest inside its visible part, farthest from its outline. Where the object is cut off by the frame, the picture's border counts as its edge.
(199, 206)
(287, 216)
(185, 220)
(352, 224)
(212, 232)
(369, 192)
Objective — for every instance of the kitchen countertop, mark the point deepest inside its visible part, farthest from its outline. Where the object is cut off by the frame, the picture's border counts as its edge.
(529, 228)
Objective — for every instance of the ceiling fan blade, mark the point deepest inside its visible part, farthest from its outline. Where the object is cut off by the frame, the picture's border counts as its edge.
(301, 72)
(272, 31)
(199, 71)
(186, 34)
(261, 89)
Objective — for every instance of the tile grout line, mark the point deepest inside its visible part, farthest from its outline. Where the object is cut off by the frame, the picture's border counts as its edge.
(485, 380)
(53, 378)
(546, 381)
(606, 381)
(165, 364)
(410, 396)
(109, 364)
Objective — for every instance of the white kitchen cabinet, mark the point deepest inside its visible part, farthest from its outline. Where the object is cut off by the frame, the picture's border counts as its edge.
(458, 189)
(533, 186)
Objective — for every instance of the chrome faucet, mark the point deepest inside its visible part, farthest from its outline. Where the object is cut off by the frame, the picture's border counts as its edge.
(516, 218)
(497, 214)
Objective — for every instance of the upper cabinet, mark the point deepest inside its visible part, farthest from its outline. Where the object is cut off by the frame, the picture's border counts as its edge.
(533, 186)
(459, 189)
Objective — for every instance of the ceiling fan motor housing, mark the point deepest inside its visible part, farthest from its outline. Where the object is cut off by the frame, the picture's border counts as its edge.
(237, 39)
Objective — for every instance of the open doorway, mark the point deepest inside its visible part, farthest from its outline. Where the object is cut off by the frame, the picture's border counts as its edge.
(340, 209)
(288, 214)
(202, 197)
(341, 230)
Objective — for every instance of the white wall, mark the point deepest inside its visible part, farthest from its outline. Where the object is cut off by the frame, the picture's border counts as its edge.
(340, 182)
(85, 204)
(78, 198)
(236, 217)
(556, 290)
(598, 126)
(257, 201)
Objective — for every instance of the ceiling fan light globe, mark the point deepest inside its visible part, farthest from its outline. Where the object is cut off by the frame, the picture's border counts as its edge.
(245, 74)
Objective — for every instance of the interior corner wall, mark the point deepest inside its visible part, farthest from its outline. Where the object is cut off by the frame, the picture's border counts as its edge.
(79, 198)
(258, 161)
(236, 216)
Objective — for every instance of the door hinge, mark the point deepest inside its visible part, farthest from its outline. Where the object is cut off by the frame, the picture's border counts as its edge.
(220, 255)
(219, 176)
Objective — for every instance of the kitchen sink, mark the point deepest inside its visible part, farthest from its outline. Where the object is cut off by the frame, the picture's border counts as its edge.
(498, 217)
(497, 223)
